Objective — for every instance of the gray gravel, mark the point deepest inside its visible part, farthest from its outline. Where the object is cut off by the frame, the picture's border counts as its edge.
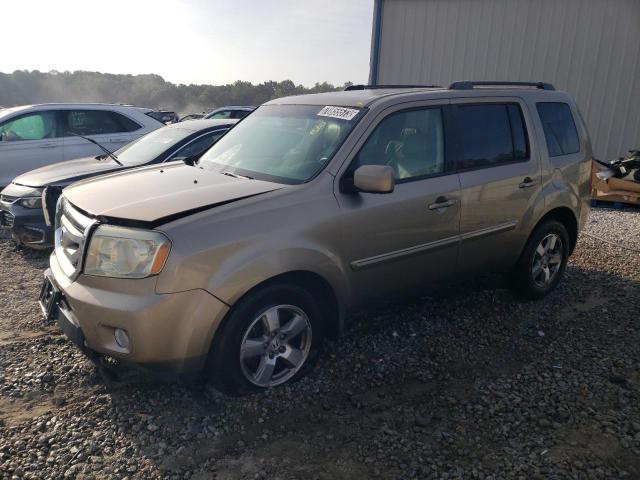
(465, 383)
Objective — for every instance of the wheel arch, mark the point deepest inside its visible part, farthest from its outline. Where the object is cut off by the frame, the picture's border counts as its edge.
(567, 217)
(318, 286)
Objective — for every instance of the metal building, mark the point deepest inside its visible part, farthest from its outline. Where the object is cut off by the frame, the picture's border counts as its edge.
(590, 48)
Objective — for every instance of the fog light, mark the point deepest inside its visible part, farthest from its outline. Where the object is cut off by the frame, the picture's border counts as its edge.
(122, 338)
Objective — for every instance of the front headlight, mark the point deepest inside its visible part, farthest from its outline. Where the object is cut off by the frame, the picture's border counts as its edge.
(126, 252)
(30, 202)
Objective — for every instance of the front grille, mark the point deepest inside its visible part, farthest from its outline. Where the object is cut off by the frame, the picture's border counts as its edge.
(6, 219)
(71, 231)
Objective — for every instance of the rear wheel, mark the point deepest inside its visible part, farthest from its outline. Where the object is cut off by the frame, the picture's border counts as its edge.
(543, 260)
(271, 337)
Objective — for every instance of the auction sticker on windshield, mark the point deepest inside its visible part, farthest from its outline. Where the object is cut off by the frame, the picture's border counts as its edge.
(338, 112)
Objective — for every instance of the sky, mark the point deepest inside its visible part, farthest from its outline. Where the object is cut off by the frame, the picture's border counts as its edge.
(193, 41)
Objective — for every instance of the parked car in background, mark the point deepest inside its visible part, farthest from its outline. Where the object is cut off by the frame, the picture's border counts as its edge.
(192, 116)
(165, 116)
(230, 112)
(313, 205)
(36, 135)
(21, 203)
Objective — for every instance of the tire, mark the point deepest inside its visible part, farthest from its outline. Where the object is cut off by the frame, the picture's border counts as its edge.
(543, 261)
(266, 316)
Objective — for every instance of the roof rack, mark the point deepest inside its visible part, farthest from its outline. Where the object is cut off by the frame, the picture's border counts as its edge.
(469, 85)
(376, 87)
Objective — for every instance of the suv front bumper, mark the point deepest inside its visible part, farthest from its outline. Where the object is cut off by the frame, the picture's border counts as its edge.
(171, 333)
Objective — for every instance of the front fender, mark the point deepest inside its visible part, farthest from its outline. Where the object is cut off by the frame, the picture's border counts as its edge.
(229, 271)
(239, 273)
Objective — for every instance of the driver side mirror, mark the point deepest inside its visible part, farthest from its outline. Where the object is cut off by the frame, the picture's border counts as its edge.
(374, 179)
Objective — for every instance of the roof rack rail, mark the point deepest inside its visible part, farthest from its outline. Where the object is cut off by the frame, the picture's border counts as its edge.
(469, 85)
(376, 87)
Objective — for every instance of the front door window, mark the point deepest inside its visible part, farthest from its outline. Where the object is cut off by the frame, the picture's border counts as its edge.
(35, 126)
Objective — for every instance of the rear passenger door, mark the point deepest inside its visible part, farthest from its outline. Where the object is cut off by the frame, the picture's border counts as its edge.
(111, 129)
(500, 180)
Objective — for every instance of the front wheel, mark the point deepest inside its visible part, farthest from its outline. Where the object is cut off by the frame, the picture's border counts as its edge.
(272, 336)
(543, 260)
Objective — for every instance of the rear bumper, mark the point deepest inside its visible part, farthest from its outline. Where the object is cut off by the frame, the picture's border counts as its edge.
(170, 333)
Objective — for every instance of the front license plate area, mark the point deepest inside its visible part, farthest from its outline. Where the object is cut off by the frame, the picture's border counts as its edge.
(49, 298)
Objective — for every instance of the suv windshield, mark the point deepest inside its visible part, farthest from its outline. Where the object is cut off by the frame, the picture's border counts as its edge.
(282, 143)
(151, 145)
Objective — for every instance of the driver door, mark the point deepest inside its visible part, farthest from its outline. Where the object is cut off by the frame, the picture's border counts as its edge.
(28, 142)
(409, 237)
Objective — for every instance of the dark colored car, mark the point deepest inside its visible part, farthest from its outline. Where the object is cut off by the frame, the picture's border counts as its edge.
(233, 111)
(165, 116)
(192, 116)
(21, 202)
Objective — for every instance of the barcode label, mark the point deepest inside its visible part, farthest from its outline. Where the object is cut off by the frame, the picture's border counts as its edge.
(338, 112)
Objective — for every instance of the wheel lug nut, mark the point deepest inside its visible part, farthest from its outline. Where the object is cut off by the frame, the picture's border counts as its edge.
(282, 349)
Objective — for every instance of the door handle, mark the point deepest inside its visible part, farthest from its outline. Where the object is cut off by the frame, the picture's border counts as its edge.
(48, 145)
(527, 183)
(441, 203)
(117, 140)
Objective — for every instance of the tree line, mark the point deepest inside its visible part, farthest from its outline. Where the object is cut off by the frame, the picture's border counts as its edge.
(24, 87)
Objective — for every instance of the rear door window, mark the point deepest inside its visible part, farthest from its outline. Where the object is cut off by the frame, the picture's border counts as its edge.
(96, 122)
(490, 135)
(33, 126)
(559, 128)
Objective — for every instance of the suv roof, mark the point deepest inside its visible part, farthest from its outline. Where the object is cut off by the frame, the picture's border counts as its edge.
(364, 95)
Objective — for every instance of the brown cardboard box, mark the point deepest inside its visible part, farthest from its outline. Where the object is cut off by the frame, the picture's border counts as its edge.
(614, 189)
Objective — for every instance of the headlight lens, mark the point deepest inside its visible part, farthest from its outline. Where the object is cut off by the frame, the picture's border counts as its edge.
(126, 252)
(31, 202)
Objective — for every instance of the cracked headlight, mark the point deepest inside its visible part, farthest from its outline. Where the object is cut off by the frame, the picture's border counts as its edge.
(122, 252)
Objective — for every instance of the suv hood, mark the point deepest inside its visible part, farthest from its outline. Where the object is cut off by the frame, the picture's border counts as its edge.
(64, 173)
(160, 193)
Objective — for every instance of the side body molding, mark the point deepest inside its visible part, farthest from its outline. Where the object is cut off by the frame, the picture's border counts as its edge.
(417, 249)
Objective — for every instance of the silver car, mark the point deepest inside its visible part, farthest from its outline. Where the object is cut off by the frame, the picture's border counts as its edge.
(32, 136)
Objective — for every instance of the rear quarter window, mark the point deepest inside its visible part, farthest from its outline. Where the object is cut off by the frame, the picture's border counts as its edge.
(559, 127)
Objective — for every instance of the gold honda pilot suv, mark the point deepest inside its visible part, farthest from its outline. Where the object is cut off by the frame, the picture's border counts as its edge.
(239, 263)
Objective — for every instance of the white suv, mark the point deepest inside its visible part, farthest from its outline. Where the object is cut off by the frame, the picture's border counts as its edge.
(36, 135)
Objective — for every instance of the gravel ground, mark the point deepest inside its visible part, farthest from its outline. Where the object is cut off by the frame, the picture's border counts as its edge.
(468, 383)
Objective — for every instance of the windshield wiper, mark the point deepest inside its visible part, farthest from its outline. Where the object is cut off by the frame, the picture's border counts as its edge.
(104, 149)
(235, 175)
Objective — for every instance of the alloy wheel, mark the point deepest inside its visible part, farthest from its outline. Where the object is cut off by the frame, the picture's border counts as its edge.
(275, 345)
(547, 260)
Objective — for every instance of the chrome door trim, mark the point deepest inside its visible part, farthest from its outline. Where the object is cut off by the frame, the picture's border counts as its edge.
(484, 232)
(364, 263)
(405, 252)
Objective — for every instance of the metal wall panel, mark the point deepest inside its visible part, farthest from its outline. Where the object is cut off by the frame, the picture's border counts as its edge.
(590, 48)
